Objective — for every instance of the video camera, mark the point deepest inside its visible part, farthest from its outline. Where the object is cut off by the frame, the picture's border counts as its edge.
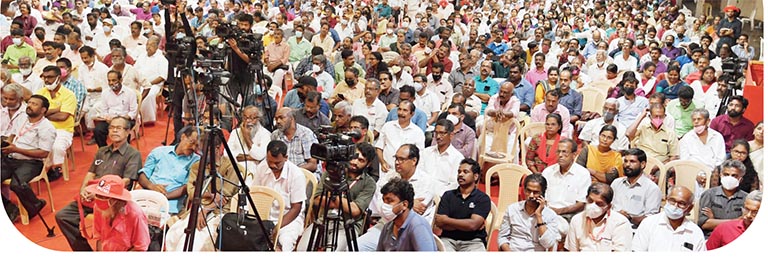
(733, 70)
(249, 43)
(336, 149)
(182, 51)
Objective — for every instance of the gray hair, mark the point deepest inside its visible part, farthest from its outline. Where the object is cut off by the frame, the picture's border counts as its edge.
(375, 82)
(613, 101)
(4, 73)
(345, 106)
(701, 112)
(756, 195)
(25, 58)
(14, 87)
(732, 163)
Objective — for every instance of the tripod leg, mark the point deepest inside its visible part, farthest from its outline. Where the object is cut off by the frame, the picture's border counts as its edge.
(49, 229)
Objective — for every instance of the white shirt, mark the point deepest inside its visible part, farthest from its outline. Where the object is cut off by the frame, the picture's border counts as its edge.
(442, 167)
(591, 133)
(324, 82)
(95, 76)
(121, 104)
(642, 198)
(291, 186)
(375, 113)
(614, 234)
(629, 64)
(33, 82)
(392, 136)
(518, 229)
(711, 101)
(655, 234)
(423, 188)
(443, 89)
(258, 149)
(149, 68)
(33, 136)
(134, 46)
(564, 190)
(710, 154)
(428, 103)
(8, 124)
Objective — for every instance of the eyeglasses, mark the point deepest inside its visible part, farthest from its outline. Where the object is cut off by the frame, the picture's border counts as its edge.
(679, 204)
(441, 133)
(116, 128)
(400, 159)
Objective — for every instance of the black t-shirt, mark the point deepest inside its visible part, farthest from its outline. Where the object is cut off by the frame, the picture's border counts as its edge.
(456, 207)
(239, 68)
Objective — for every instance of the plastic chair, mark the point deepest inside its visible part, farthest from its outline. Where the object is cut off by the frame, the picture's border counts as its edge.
(489, 225)
(750, 19)
(602, 85)
(123, 21)
(436, 200)
(155, 206)
(311, 179)
(708, 10)
(685, 175)
(510, 176)
(593, 99)
(138, 127)
(439, 243)
(23, 214)
(263, 199)
(533, 129)
(650, 164)
(78, 119)
(499, 143)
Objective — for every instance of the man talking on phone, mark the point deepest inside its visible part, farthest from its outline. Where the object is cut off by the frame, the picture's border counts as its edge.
(533, 214)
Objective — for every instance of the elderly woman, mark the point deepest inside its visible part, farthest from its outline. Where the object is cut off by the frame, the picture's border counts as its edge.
(603, 163)
(542, 151)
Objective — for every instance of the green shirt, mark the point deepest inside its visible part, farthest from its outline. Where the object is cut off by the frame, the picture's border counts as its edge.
(299, 50)
(13, 53)
(361, 189)
(683, 120)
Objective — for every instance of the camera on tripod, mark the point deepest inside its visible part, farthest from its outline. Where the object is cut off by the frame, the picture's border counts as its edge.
(249, 43)
(334, 149)
(182, 50)
(733, 71)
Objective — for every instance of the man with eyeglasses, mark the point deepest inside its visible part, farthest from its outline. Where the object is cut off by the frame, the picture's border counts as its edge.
(722, 203)
(731, 230)
(442, 159)
(670, 230)
(119, 158)
(598, 227)
(249, 142)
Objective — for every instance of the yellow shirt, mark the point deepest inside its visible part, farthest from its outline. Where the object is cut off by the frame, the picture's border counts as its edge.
(65, 101)
(661, 144)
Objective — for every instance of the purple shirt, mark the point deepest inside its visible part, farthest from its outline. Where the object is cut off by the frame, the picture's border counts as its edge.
(140, 15)
(742, 130)
(672, 53)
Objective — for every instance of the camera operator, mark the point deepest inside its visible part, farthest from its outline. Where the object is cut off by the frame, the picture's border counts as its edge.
(239, 60)
(361, 189)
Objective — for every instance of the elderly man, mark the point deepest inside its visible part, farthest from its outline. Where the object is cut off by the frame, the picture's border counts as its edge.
(569, 98)
(420, 116)
(129, 72)
(652, 136)
(298, 138)
(463, 225)
(502, 107)
(26, 77)
(13, 111)
(728, 231)
(530, 225)
(342, 113)
(277, 172)
(396, 133)
(153, 70)
(613, 229)
(552, 105)
(350, 89)
(23, 154)
(702, 144)
(722, 203)
(276, 57)
(117, 101)
(670, 230)
(249, 142)
(119, 158)
(61, 114)
(569, 181)
(310, 116)
(371, 107)
(442, 160)
(635, 195)
(590, 134)
(166, 169)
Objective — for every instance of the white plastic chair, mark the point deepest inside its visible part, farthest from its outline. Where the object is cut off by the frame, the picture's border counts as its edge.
(155, 206)
(750, 19)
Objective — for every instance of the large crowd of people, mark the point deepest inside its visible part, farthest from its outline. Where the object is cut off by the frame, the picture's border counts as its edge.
(431, 93)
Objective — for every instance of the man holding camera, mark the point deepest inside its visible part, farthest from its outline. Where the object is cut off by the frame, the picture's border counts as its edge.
(241, 76)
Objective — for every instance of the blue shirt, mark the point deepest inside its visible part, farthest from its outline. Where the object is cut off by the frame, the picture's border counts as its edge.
(488, 86)
(669, 91)
(572, 100)
(419, 118)
(524, 92)
(415, 235)
(383, 10)
(78, 89)
(292, 100)
(164, 166)
(498, 48)
(684, 59)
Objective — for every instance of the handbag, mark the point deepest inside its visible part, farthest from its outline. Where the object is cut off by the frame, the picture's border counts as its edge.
(245, 235)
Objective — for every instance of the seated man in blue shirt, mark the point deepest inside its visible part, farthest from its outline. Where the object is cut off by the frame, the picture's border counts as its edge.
(419, 117)
(485, 85)
(406, 229)
(167, 169)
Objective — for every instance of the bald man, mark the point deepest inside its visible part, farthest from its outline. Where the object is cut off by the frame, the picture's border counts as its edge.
(298, 138)
(670, 230)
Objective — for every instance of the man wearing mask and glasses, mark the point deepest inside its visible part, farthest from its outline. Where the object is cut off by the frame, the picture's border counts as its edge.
(722, 203)
(670, 230)
(599, 228)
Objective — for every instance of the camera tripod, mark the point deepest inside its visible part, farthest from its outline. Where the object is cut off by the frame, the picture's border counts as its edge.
(208, 159)
(323, 237)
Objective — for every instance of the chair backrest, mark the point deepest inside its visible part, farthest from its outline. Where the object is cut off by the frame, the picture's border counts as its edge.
(489, 224)
(650, 164)
(312, 188)
(602, 85)
(498, 144)
(685, 175)
(752, 16)
(436, 199)
(593, 99)
(123, 21)
(510, 176)
(154, 204)
(531, 129)
(439, 243)
(264, 199)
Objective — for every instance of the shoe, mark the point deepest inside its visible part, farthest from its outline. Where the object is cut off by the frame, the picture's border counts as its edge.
(54, 174)
(39, 207)
(13, 212)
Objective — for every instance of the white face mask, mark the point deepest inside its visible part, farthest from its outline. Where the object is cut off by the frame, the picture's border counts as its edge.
(298, 34)
(316, 69)
(107, 29)
(17, 41)
(25, 71)
(673, 212)
(729, 182)
(387, 213)
(53, 86)
(418, 86)
(593, 211)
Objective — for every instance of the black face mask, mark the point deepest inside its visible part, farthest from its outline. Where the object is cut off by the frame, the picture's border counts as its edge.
(350, 82)
(436, 77)
(669, 44)
(629, 91)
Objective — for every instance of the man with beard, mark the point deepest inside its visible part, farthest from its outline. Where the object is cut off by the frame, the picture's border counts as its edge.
(730, 27)
(119, 158)
(733, 125)
(249, 142)
(298, 138)
(26, 78)
(296, 97)
(713, 101)
(23, 155)
(13, 109)
(309, 116)
(463, 226)
(634, 195)
(117, 102)
(728, 231)
(361, 188)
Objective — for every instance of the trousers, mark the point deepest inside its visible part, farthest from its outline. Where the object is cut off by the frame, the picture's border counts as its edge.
(68, 220)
